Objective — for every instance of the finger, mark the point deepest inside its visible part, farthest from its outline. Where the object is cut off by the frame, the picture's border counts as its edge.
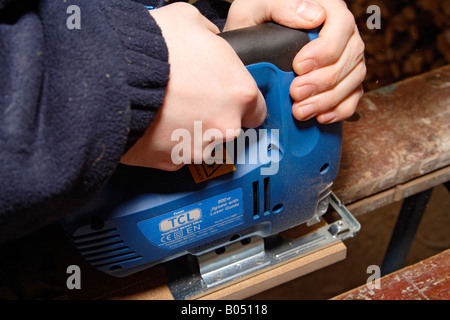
(331, 42)
(256, 114)
(327, 77)
(326, 100)
(343, 110)
(297, 14)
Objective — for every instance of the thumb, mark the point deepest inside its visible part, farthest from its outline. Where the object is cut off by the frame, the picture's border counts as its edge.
(297, 14)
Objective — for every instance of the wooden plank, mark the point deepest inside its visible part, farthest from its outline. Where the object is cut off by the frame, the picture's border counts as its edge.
(422, 183)
(143, 291)
(426, 280)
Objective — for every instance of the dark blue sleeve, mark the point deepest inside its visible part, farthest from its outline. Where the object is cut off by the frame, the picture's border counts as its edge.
(71, 102)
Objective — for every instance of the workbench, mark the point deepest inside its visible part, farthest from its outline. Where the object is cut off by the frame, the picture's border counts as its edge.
(395, 147)
(398, 148)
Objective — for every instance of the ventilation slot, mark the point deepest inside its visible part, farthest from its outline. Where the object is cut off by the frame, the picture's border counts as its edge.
(266, 195)
(262, 206)
(256, 199)
(104, 248)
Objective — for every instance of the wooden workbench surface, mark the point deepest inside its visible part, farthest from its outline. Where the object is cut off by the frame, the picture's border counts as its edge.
(426, 280)
(400, 133)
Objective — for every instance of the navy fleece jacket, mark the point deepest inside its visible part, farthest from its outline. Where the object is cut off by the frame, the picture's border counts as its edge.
(71, 102)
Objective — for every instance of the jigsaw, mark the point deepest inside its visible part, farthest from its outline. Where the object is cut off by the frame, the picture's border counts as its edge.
(225, 216)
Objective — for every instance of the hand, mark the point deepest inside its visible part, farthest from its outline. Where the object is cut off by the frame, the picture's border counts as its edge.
(330, 69)
(208, 83)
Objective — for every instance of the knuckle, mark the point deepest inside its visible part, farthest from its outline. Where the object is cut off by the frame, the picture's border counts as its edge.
(346, 110)
(329, 50)
(343, 3)
(246, 94)
(362, 72)
(262, 117)
(349, 19)
(348, 23)
(360, 92)
(255, 120)
(229, 130)
(345, 114)
(361, 47)
(332, 78)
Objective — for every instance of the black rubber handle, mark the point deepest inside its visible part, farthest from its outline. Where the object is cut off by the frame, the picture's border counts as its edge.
(267, 42)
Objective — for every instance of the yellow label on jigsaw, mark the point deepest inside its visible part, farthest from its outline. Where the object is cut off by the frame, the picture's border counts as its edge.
(205, 171)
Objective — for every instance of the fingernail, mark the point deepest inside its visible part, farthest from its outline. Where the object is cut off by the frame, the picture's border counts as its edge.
(327, 117)
(309, 10)
(304, 92)
(306, 112)
(306, 66)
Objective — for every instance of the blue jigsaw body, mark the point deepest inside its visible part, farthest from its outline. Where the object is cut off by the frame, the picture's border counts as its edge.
(144, 216)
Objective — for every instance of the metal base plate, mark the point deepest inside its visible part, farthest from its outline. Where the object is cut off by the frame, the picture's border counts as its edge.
(245, 258)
